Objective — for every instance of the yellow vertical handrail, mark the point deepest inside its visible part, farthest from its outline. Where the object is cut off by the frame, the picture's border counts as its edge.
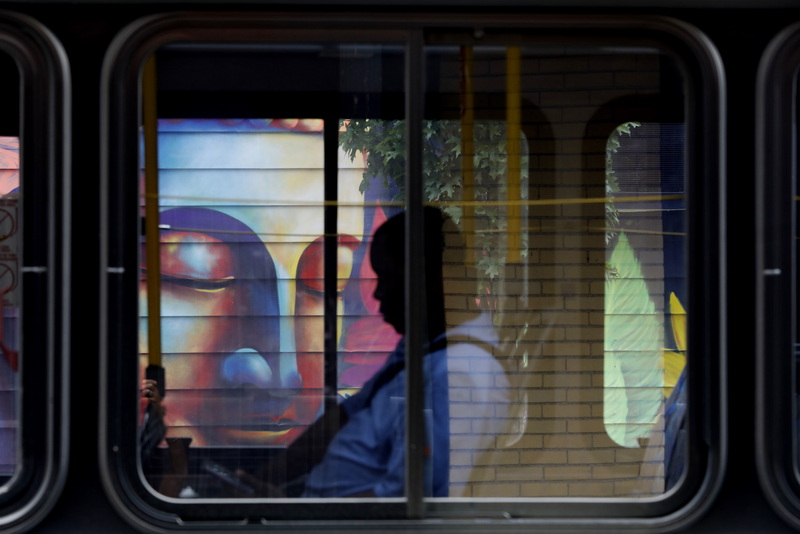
(152, 234)
(513, 130)
(468, 148)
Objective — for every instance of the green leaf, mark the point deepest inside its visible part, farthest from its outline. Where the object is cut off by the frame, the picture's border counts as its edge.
(633, 369)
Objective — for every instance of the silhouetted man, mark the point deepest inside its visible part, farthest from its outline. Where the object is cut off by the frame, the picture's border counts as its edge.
(366, 457)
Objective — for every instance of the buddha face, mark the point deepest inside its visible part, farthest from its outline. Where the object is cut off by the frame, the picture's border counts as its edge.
(242, 292)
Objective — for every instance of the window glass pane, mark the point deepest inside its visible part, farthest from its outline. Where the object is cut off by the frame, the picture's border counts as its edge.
(33, 272)
(272, 353)
(10, 303)
(559, 312)
(267, 316)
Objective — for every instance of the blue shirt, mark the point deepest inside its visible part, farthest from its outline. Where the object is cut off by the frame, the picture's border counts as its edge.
(368, 453)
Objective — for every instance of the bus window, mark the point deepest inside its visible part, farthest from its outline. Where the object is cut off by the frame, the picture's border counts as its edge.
(570, 261)
(419, 275)
(33, 250)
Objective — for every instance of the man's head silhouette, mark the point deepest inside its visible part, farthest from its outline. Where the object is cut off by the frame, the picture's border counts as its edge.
(387, 256)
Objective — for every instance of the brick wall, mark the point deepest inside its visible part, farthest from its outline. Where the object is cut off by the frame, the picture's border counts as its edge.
(549, 308)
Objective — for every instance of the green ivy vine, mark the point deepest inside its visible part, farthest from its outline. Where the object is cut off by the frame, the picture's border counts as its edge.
(383, 142)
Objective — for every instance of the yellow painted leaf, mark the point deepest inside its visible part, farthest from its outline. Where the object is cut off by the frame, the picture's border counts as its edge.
(674, 362)
(678, 316)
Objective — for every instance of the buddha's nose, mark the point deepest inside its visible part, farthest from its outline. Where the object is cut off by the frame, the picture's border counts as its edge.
(278, 373)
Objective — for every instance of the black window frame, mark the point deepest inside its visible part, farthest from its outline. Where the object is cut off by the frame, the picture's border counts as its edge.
(705, 101)
(776, 280)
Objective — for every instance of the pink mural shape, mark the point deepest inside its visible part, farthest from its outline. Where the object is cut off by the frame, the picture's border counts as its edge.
(369, 340)
(9, 163)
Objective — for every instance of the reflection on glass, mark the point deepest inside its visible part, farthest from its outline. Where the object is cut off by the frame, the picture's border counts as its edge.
(555, 301)
(575, 252)
(242, 282)
(644, 382)
(468, 397)
(9, 302)
(242, 253)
